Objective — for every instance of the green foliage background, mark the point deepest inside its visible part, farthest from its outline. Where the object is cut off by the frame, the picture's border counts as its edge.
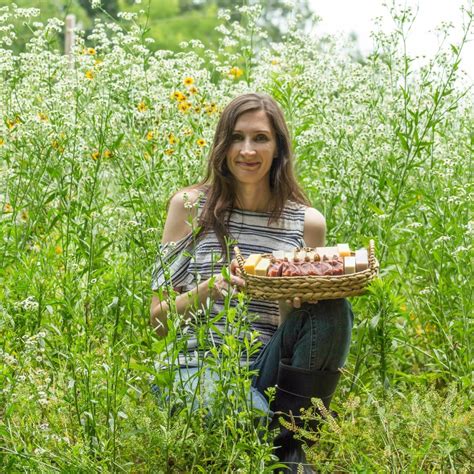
(92, 146)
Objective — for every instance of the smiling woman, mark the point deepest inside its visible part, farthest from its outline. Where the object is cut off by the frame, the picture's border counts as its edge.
(250, 195)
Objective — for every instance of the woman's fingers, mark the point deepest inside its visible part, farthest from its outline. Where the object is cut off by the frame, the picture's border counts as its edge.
(297, 302)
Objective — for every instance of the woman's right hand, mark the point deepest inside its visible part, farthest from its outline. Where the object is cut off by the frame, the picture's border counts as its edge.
(223, 285)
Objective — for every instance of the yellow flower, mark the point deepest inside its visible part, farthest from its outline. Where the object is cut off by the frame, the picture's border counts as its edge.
(412, 316)
(179, 96)
(2, 141)
(419, 330)
(169, 151)
(172, 139)
(90, 74)
(98, 62)
(11, 124)
(150, 135)
(24, 215)
(147, 156)
(91, 51)
(184, 106)
(58, 250)
(211, 108)
(43, 117)
(235, 72)
(193, 90)
(188, 81)
(188, 132)
(201, 142)
(142, 107)
(107, 153)
(7, 208)
(403, 307)
(274, 61)
(197, 109)
(95, 155)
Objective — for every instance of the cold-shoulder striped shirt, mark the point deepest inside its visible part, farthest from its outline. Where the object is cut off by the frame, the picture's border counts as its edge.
(181, 264)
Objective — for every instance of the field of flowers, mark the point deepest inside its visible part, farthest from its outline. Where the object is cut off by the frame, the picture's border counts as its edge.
(91, 148)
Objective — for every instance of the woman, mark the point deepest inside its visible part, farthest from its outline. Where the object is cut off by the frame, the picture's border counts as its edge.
(250, 194)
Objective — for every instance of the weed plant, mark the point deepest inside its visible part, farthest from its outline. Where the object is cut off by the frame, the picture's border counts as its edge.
(91, 148)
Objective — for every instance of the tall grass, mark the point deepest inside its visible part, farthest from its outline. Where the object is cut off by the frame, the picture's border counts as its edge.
(89, 155)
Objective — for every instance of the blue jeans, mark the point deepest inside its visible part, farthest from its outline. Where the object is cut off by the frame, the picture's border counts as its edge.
(315, 336)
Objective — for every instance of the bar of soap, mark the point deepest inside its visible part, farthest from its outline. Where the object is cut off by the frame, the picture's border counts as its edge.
(251, 263)
(300, 255)
(349, 265)
(327, 252)
(361, 260)
(279, 254)
(290, 256)
(310, 256)
(344, 250)
(262, 267)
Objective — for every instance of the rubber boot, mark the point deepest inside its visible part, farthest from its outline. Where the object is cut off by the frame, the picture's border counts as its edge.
(295, 388)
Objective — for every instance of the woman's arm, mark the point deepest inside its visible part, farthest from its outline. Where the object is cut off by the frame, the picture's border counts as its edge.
(314, 235)
(177, 227)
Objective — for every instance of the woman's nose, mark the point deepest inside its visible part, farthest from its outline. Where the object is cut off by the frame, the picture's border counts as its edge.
(247, 148)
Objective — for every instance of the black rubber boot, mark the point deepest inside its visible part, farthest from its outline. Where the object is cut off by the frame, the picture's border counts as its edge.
(295, 388)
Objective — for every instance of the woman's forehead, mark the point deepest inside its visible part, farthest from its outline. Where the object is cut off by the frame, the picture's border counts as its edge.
(255, 120)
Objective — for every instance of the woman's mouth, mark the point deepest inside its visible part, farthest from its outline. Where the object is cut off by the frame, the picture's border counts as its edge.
(248, 165)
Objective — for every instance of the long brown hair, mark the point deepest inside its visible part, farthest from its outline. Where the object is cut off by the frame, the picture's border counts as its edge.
(219, 184)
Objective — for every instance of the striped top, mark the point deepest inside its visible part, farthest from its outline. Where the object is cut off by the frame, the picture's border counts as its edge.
(183, 264)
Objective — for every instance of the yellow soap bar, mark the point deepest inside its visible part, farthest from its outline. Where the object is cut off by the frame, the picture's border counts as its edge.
(344, 250)
(262, 267)
(251, 263)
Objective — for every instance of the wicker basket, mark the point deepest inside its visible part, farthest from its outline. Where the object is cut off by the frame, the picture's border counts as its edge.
(309, 288)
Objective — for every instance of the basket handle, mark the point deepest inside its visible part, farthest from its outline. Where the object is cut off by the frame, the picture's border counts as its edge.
(240, 259)
(372, 259)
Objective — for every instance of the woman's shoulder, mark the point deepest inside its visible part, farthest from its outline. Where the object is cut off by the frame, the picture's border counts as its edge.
(182, 207)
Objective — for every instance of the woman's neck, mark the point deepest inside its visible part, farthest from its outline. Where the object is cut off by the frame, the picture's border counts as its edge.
(253, 199)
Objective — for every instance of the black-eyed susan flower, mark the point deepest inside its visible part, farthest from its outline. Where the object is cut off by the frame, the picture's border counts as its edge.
(90, 74)
(201, 142)
(211, 108)
(91, 51)
(58, 250)
(184, 106)
(142, 107)
(7, 208)
(179, 96)
(2, 141)
(95, 155)
(172, 140)
(235, 72)
(169, 151)
(107, 153)
(188, 81)
(193, 90)
(188, 132)
(43, 117)
(150, 135)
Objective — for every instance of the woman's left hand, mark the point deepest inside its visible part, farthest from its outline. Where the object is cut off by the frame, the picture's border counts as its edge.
(296, 302)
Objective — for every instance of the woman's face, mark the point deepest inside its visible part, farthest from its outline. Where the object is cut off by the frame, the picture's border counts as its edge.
(253, 147)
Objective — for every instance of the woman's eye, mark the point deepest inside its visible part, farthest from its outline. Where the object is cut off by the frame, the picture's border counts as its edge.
(236, 137)
(262, 138)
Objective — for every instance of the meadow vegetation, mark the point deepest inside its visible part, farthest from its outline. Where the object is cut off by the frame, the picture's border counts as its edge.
(92, 147)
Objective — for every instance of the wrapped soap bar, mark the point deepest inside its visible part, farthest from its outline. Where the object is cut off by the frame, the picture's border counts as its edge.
(251, 263)
(361, 260)
(327, 252)
(290, 256)
(279, 254)
(349, 265)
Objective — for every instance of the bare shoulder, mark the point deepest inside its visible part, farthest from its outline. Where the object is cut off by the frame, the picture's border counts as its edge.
(314, 228)
(180, 209)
